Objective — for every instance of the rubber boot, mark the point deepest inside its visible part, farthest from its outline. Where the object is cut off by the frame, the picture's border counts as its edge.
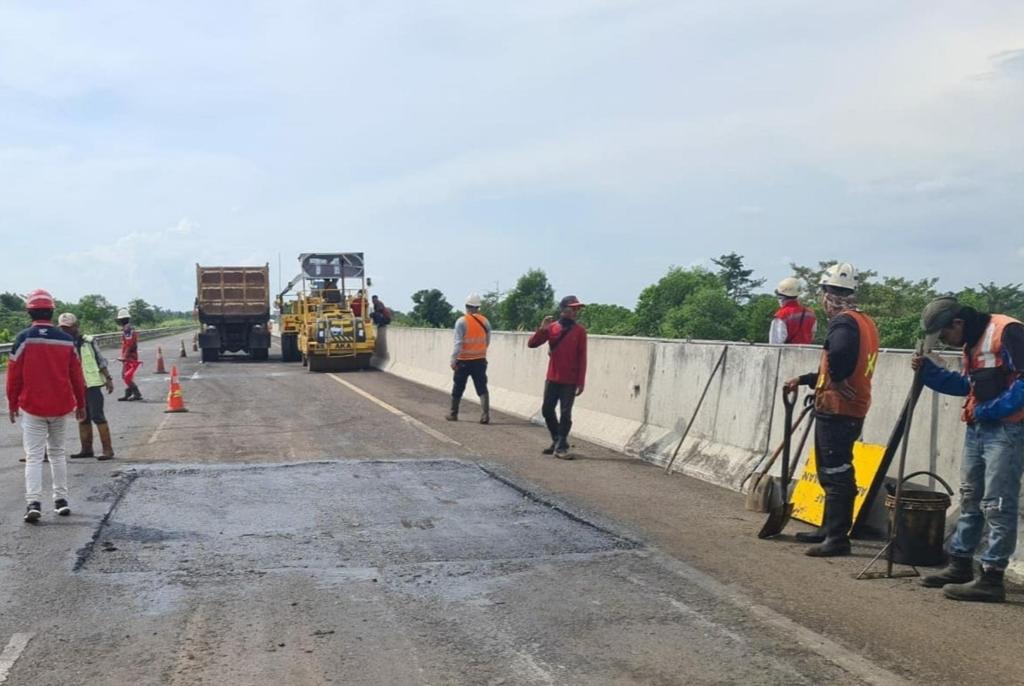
(830, 547)
(485, 408)
(988, 588)
(453, 415)
(816, 536)
(136, 393)
(108, 447)
(959, 571)
(127, 394)
(84, 433)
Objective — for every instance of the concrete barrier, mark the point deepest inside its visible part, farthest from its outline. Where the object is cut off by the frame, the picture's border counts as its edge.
(641, 392)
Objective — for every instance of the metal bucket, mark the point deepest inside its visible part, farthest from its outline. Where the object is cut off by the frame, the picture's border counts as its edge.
(922, 527)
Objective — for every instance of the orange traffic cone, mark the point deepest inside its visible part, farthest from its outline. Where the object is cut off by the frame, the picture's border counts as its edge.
(160, 369)
(182, 354)
(175, 400)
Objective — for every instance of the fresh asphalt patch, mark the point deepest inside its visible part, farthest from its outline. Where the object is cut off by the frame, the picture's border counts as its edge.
(433, 571)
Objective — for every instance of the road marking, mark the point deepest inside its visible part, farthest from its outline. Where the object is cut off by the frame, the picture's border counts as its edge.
(163, 423)
(395, 411)
(11, 654)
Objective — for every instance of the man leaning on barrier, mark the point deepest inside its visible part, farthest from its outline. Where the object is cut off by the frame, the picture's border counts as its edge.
(990, 472)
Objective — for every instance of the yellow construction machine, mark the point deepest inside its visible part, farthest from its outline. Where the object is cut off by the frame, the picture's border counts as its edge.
(326, 322)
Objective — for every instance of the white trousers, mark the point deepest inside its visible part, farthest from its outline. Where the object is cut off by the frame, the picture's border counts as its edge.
(44, 436)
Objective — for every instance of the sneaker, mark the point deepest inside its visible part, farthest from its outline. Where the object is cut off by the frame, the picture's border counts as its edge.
(562, 451)
(33, 512)
(61, 507)
(550, 450)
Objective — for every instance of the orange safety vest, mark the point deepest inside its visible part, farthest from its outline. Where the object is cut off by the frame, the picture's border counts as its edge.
(987, 353)
(474, 343)
(828, 401)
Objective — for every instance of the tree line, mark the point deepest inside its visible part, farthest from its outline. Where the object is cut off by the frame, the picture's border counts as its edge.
(725, 302)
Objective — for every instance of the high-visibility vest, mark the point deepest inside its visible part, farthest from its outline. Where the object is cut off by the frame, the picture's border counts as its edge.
(474, 343)
(987, 353)
(90, 366)
(828, 401)
(799, 321)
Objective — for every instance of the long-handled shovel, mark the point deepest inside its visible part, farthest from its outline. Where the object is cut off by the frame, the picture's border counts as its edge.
(759, 497)
(780, 514)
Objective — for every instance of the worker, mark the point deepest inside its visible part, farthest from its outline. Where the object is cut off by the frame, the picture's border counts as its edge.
(793, 323)
(129, 359)
(358, 304)
(330, 292)
(44, 386)
(381, 314)
(469, 358)
(992, 379)
(97, 378)
(842, 397)
(567, 371)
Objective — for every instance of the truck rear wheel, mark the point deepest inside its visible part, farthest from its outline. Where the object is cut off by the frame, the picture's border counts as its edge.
(210, 354)
(290, 348)
(259, 354)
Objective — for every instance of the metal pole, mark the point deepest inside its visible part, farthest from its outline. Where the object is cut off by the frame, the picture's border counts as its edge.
(686, 431)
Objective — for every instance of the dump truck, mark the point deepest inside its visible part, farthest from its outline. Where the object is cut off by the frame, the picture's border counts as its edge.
(326, 322)
(233, 308)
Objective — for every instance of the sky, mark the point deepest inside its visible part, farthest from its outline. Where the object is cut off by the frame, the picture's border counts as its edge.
(459, 143)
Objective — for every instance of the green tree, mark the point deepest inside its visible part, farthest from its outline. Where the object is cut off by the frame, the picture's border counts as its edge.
(95, 314)
(142, 313)
(611, 320)
(526, 304)
(491, 308)
(736, 280)
(1008, 299)
(431, 309)
(670, 292)
(708, 314)
(755, 318)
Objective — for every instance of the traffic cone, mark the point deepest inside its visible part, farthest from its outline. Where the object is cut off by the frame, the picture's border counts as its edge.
(175, 400)
(182, 354)
(160, 369)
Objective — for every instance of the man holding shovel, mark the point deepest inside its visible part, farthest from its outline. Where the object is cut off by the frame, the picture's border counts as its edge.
(842, 397)
(993, 458)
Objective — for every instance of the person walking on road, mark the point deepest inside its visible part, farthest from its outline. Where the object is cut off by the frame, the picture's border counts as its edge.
(842, 397)
(469, 358)
(992, 379)
(97, 379)
(793, 323)
(567, 371)
(44, 386)
(129, 355)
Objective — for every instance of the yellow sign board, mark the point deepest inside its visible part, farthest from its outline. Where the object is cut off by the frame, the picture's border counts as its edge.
(809, 498)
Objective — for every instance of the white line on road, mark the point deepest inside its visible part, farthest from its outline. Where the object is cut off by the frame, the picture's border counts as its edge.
(163, 423)
(11, 653)
(395, 411)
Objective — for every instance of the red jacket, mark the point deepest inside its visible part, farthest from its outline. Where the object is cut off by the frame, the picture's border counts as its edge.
(799, 321)
(44, 374)
(567, 355)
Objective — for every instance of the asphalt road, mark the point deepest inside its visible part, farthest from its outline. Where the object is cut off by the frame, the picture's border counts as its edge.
(299, 528)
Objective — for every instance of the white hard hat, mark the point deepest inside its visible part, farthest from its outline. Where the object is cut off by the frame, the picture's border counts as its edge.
(67, 319)
(840, 275)
(123, 313)
(473, 300)
(789, 287)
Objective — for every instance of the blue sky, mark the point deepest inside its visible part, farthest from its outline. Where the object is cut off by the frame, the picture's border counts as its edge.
(460, 143)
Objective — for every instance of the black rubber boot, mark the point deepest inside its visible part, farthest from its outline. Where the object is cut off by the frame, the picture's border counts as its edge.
(453, 415)
(127, 395)
(136, 393)
(988, 588)
(485, 408)
(830, 547)
(959, 571)
(816, 536)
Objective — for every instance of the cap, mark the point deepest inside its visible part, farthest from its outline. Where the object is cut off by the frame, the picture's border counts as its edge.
(39, 299)
(939, 313)
(67, 319)
(570, 301)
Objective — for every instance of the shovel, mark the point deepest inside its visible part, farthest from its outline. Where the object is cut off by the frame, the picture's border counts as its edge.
(779, 515)
(761, 495)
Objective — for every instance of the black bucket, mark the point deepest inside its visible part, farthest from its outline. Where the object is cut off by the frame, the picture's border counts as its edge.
(922, 526)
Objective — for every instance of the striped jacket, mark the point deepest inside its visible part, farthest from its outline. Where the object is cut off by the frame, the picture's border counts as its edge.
(44, 374)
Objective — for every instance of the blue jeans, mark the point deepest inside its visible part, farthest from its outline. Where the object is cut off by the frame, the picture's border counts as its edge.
(990, 492)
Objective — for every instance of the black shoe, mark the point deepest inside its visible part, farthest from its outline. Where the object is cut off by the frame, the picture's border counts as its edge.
(61, 507)
(835, 547)
(816, 536)
(959, 571)
(562, 450)
(33, 512)
(127, 395)
(988, 588)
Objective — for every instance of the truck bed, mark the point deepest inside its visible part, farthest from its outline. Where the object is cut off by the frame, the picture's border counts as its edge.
(233, 292)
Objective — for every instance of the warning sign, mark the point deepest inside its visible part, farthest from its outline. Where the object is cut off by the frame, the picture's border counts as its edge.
(808, 497)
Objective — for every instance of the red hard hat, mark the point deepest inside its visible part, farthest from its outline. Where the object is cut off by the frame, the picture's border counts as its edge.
(39, 299)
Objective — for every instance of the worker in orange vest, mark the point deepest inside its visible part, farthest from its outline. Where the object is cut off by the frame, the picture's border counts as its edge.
(469, 358)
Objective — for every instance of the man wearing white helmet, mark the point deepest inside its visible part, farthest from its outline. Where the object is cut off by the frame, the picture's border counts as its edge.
(469, 358)
(842, 397)
(793, 323)
(130, 362)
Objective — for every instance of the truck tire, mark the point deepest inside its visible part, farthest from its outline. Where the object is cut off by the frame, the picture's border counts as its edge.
(210, 354)
(259, 354)
(290, 348)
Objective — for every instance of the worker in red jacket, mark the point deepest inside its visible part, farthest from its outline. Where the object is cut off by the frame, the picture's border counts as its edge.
(44, 386)
(130, 361)
(567, 371)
